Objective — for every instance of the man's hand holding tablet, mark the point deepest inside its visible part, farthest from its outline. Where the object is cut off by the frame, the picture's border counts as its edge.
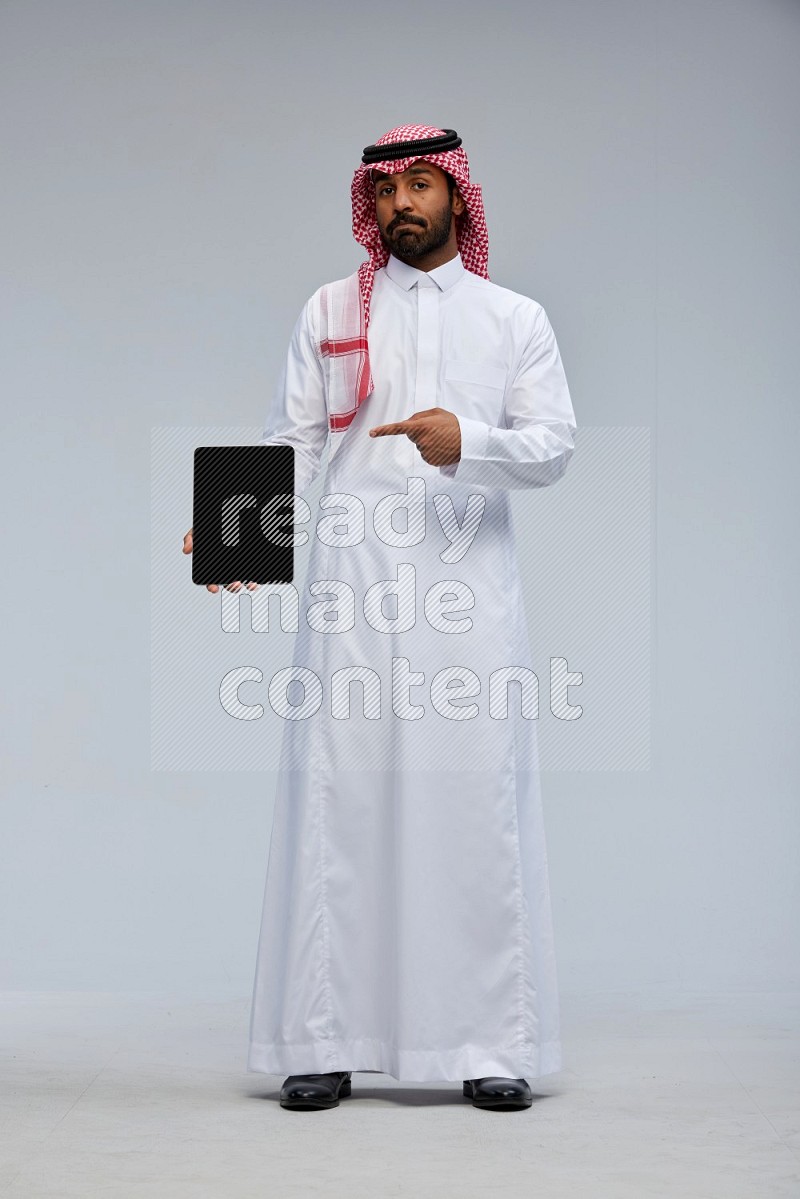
(214, 587)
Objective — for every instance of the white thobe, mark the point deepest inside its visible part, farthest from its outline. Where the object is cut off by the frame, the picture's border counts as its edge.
(406, 925)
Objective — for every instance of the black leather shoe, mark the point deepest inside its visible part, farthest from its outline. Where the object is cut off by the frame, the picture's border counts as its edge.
(505, 1094)
(309, 1091)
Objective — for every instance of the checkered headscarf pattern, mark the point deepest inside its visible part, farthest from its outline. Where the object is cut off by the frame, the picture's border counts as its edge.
(471, 233)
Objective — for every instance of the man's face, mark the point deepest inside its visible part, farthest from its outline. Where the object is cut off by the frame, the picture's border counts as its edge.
(415, 210)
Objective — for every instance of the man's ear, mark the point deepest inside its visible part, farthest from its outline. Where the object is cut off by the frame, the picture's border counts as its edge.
(458, 205)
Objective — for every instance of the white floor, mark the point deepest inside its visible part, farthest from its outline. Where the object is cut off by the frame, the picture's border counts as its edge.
(696, 1096)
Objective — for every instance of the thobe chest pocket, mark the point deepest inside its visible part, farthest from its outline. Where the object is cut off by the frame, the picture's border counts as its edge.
(475, 389)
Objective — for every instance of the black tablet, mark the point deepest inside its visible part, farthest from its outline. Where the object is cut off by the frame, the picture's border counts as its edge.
(243, 514)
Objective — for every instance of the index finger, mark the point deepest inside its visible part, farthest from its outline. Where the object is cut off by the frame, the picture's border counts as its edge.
(401, 426)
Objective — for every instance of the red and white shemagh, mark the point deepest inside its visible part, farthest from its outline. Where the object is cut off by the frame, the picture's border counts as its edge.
(345, 312)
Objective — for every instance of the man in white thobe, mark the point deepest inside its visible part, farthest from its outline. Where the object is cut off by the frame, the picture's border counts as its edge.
(406, 925)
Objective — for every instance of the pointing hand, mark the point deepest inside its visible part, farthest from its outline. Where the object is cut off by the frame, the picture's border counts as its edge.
(435, 432)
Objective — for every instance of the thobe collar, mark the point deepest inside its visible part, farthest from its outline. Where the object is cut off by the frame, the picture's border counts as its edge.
(443, 276)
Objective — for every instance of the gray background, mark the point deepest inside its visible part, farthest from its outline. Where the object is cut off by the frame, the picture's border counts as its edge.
(175, 183)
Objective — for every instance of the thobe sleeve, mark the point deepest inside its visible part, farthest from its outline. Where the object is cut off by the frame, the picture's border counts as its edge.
(298, 415)
(537, 442)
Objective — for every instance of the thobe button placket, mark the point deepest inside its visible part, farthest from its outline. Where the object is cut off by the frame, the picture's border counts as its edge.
(425, 389)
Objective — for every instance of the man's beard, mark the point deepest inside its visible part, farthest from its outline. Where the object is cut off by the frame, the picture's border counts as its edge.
(416, 242)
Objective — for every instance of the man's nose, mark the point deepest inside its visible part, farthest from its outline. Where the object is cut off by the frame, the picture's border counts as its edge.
(402, 201)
